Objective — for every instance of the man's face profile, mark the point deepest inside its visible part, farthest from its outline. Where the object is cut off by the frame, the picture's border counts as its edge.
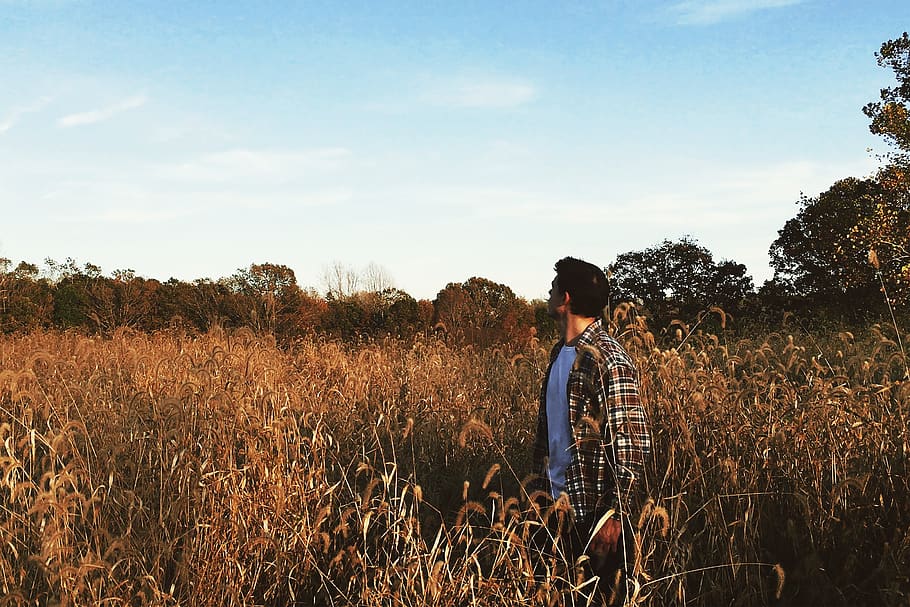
(556, 304)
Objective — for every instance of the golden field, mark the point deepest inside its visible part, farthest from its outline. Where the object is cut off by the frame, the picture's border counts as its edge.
(221, 469)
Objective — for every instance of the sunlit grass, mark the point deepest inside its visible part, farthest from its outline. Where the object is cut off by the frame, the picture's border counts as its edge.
(220, 469)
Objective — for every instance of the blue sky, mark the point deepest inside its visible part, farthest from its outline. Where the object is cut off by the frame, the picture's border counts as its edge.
(438, 140)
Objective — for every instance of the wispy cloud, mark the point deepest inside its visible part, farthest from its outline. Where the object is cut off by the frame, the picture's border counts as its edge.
(480, 93)
(709, 12)
(159, 197)
(116, 201)
(128, 215)
(762, 193)
(13, 116)
(141, 215)
(243, 164)
(764, 196)
(102, 114)
(149, 206)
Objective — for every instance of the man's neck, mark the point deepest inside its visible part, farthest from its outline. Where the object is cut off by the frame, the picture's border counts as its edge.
(575, 326)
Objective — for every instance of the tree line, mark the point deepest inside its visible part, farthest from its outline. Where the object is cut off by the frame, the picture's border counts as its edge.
(844, 258)
(264, 297)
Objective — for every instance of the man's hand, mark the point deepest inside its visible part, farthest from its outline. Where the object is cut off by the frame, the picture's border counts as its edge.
(607, 539)
(606, 549)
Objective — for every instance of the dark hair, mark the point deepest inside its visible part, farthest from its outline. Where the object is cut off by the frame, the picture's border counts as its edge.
(586, 285)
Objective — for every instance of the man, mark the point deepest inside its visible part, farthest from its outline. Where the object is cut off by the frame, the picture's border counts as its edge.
(592, 433)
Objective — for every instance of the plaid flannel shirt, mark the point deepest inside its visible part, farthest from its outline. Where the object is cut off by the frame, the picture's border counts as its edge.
(606, 457)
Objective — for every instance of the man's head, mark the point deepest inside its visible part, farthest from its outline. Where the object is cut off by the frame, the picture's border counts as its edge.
(585, 284)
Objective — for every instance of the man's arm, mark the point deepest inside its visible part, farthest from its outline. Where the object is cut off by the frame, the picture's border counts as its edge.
(611, 435)
(590, 470)
(627, 432)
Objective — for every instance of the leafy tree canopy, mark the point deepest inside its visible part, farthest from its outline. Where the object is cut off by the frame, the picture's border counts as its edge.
(482, 312)
(891, 116)
(808, 256)
(853, 240)
(678, 279)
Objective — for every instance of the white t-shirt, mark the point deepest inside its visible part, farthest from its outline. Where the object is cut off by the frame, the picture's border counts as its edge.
(558, 428)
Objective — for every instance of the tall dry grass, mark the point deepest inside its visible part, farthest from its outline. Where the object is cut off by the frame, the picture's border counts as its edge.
(219, 469)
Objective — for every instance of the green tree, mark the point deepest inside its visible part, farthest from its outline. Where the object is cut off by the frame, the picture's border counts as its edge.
(172, 306)
(399, 314)
(677, 280)
(274, 294)
(808, 256)
(26, 299)
(346, 317)
(849, 241)
(389, 311)
(215, 303)
(79, 299)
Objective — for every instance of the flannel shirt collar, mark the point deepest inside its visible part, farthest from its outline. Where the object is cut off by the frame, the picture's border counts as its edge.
(586, 337)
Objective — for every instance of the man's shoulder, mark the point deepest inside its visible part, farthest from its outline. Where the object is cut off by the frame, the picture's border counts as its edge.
(604, 349)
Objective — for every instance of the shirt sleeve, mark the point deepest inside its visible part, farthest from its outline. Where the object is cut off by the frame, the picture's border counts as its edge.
(589, 464)
(611, 435)
(627, 431)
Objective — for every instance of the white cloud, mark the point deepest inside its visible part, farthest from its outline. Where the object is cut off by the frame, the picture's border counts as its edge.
(285, 201)
(99, 115)
(125, 215)
(12, 117)
(748, 199)
(271, 165)
(130, 202)
(708, 12)
(721, 196)
(480, 93)
(89, 201)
